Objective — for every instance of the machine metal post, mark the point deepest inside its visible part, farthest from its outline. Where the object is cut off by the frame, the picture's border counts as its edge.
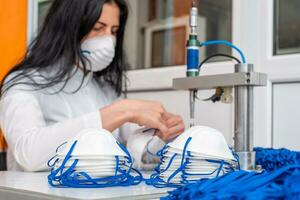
(243, 121)
(193, 58)
(193, 94)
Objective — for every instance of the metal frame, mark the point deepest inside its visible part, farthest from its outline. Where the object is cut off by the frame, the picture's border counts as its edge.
(221, 80)
(243, 81)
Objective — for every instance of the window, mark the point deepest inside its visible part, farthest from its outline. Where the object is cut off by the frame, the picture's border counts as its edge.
(286, 27)
(43, 8)
(158, 29)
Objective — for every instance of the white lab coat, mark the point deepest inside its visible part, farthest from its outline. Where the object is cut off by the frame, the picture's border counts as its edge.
(35, 123)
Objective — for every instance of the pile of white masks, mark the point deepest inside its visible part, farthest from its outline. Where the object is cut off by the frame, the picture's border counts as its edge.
(92, 159)
(198, 153)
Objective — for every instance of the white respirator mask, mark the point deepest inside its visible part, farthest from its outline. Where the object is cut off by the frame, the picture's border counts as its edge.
(92, 159)
(200, 152)
(207, 142)
(99, 52)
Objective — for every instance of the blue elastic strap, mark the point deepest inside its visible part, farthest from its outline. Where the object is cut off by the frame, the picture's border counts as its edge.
(56, 174)
(182, 165)
(68, 177)
(85, 51)
(56, 160)
(156, 180)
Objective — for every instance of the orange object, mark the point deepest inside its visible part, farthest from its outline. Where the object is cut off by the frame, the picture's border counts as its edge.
(13, 34)
(3, 144)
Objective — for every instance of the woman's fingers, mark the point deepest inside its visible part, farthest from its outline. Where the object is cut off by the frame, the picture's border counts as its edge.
(152, 119)
(158, 107)
(174, 121)
(152, 114)
(176, 130)
(171, 133)
(175, 127)
(162, 126)
(166, 137)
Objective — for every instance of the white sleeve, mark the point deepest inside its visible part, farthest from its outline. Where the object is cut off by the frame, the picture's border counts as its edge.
(31, 141)
(142, 146)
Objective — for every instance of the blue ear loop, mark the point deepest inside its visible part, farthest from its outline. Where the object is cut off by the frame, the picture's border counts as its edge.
(156, 180)
(62, 177)
(85, 51)
(57, 159)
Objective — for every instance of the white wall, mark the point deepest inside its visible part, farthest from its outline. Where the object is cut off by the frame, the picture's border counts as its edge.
(132, 33)
(286, 115)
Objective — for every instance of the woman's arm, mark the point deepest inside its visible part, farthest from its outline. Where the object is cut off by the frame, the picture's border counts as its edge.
(29, 138)
(33, 142)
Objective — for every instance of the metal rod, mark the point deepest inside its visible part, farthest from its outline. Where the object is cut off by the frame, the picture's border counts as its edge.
(194, 4)
(192, 107)
(220, 80)
(243, 123)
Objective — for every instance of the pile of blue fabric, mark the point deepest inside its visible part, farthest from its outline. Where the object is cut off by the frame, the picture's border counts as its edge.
(279, 180)
(272, 159)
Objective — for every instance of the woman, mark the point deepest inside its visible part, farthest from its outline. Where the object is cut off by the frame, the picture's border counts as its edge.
(70, 80)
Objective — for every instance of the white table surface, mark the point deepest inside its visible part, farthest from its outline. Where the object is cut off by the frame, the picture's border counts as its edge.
(21, 185)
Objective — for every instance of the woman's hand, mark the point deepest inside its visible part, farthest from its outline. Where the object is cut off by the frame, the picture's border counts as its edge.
(150, 114)
(175, 127)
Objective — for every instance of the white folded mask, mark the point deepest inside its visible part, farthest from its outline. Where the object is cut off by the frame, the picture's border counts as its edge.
(93, 143)
(99, 51)
(195, 169)
(111, 163)
(193, 174)
(205, 141)
(199, 152)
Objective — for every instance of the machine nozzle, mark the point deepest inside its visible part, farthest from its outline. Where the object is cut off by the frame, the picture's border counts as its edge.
(194, 3)
(193, 17)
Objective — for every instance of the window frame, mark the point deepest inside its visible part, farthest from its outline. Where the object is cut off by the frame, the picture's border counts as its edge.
(32, 20)
(272, 65)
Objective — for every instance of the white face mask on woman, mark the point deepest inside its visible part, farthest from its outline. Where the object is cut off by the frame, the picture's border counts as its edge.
(100, 52)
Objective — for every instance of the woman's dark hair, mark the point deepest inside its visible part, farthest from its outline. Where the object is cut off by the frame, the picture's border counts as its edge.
(59, 41)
